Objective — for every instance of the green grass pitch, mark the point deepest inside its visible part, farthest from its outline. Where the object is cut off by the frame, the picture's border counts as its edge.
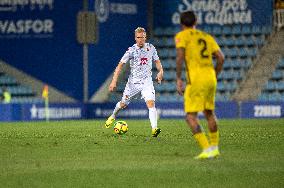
(84, 154)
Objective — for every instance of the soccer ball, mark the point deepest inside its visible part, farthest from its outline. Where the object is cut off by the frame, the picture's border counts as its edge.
(120, 127)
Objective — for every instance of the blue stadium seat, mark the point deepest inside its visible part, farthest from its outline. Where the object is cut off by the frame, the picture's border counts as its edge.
(163, 98)
(207, 29)
(275, 96)
(163, 53)
(236, 64)
(227, 65)
(239, 41)
(270, 86)
(280, 65)
(227, 30)
(160, 87)
(259, 40)
(249, 41)
(236, 30)
(172, 52)
(233, 52)
(170, 42)
(7, 80)
(238, 74)
(221, 86)
(159, 31)
(256, 30)
(166, 64)
(169, 75)
(246, 30)
(229, 42)
(231, 86)
(252, 52)
(263, 97)
(266, 30)
(217, 31)
(246, 64)
(280, 85)
(277, 75)
(243, 53)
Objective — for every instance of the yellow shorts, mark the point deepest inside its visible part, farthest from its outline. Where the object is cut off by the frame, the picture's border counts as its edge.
(200, 96)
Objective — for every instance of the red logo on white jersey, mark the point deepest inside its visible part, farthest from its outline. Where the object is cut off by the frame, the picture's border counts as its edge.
(143, 61)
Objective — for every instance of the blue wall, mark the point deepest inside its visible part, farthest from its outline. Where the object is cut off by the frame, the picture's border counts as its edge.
(54, 55)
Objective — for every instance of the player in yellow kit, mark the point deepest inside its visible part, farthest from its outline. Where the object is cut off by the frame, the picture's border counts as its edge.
(197, 49)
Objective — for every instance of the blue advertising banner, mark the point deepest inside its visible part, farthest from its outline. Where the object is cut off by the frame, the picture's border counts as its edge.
(228, 110)
(39, 38)
(165, 110)
(262, 110)
(214, 12)
(10, 112)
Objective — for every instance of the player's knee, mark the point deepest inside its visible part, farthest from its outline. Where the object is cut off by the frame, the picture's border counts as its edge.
(123, 105)
(150, 104)
(209, 114)
(191, 119)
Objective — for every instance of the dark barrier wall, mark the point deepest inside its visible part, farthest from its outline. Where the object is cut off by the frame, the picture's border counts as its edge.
(39, 37)
(214, 12)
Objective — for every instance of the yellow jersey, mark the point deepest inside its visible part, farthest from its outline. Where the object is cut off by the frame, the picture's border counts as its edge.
(199, 47)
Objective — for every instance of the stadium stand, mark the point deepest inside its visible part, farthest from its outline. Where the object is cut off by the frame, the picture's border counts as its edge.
(262, 69)
(20, 93)
(274, 88)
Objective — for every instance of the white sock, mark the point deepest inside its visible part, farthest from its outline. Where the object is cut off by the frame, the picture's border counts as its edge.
(116, 109)
(153, 117)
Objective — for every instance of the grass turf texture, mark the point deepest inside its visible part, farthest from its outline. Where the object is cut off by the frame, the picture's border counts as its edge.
(84, 154)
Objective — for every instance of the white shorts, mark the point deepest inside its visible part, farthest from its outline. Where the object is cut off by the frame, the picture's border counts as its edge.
(146, 88)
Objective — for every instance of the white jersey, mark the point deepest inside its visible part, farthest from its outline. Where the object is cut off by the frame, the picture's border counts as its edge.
(140, 60)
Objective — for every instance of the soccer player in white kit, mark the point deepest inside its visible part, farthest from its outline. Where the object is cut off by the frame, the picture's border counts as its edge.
(140, 56)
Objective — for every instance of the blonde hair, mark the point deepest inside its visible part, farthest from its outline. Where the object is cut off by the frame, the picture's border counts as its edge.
(140, 30)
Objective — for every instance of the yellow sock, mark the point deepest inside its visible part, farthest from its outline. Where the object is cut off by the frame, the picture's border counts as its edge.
(214, 138)
(202, 140)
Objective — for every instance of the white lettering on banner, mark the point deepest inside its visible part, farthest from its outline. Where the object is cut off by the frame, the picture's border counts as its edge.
(26, 26)
(216, 11)
(267, 111)
(172, 112)
(123, 8)
(15, 5)
(56, 113)
(103, 8)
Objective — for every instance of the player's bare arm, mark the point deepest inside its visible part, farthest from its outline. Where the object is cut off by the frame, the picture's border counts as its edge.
(220, 61)
(160, 74)
(116, 73)
(179, 61)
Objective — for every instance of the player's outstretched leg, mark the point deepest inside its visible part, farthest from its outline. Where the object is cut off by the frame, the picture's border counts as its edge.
(109, 121)
(153, 118)
(111, 118)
